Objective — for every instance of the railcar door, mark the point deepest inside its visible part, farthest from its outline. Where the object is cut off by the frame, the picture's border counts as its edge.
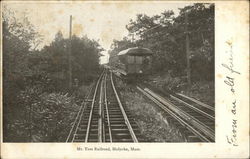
(131, 64)
(138, 64)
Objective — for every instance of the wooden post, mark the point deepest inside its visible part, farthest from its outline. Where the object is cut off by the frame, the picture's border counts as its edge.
(70, 59)
(187, 50)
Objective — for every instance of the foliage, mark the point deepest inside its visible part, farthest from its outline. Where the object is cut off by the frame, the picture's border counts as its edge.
(23, 65)
(19, 37)
(84, 59)
(35, 109)
(118, 46)
(46, 116)
(165, 34)
(151, 122)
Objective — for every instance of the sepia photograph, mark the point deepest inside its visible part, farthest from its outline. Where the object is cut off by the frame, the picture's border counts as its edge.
(148, 79)
(116, 72)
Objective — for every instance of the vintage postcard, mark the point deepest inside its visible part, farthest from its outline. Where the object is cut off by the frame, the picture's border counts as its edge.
(124, 79)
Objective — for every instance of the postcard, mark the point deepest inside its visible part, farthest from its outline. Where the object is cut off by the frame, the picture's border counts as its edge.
(124, 79)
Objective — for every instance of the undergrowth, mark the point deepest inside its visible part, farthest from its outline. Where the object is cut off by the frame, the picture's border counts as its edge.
(151, 121)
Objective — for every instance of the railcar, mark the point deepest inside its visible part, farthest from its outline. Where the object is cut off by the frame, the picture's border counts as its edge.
(133, 62)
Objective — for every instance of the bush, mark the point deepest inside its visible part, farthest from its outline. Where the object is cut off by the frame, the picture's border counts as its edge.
(45, 117)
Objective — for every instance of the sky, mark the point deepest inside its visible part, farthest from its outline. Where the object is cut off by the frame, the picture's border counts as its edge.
(102, 21)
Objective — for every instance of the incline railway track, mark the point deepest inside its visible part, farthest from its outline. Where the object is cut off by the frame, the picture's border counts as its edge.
(102, 116)
(195, 119)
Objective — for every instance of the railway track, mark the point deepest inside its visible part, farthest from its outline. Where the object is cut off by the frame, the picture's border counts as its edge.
(102, 116)
(195, 119)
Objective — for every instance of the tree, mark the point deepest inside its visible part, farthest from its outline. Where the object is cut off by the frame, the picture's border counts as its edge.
(31, 74)
(85, 59)
(19, 37)
(118, 46)
(164, 34)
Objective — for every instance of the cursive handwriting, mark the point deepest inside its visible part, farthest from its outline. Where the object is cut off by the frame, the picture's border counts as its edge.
(230, 82)
(232, 139)
(230, 65)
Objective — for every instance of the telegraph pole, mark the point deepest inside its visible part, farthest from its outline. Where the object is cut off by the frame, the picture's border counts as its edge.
(187, 50)
(70, 45)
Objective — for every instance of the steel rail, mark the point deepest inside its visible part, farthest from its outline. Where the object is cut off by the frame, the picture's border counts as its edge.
(100, 115)
(192, 107)
(92, 107)
(182, 122)
(131, 131)
(83, 105)
(107, 110)
(205, 129)
(103, 115)
(197, 102)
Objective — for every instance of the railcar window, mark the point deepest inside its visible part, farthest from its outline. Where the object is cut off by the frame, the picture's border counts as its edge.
(138, 59)
(131, 59)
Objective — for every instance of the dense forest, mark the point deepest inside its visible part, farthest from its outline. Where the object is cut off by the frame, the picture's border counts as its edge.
(166, 35)
(38, 104)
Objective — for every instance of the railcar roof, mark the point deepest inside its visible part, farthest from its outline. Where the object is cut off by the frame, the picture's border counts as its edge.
(136, 51)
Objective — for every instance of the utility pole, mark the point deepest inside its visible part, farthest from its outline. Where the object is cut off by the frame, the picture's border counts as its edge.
(187, 50)
(70, 45)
